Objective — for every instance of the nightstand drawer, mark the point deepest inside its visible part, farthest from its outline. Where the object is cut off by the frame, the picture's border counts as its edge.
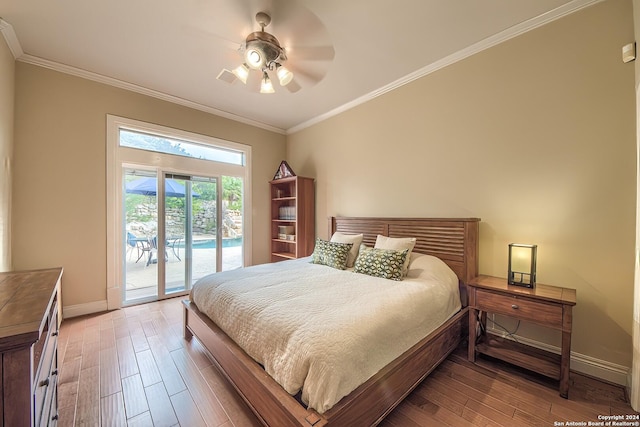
(544, 313)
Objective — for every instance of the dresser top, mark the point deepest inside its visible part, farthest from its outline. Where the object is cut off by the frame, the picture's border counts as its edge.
(541, 291)
(25, 297)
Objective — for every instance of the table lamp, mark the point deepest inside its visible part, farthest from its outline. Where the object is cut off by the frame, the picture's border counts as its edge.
(522, 265)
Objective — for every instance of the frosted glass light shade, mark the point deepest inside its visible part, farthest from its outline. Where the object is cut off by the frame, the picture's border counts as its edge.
(284, 76)
(266, 86)
(522, 265)
(242, 73)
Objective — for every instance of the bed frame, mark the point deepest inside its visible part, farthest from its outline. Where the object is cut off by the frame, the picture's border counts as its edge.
(454, 240)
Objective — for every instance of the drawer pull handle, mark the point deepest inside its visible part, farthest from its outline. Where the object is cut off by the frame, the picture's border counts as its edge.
(515, 306)
(54, 372)
(54, 334)
(44, 382)
(55, 417)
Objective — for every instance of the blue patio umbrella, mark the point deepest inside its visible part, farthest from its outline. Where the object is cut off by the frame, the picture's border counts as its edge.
(148, 187)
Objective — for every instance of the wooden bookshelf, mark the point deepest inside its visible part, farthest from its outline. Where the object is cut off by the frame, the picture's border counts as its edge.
(292, 218)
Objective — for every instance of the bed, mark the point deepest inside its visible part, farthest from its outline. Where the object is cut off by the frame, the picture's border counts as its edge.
(454, 241)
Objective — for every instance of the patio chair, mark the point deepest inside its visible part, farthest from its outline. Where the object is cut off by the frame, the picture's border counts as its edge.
(133, 243)
(173, 243)
(152, 248)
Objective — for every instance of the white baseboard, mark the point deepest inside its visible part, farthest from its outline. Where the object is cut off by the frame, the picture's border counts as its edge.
(598, 368)
(69, 311)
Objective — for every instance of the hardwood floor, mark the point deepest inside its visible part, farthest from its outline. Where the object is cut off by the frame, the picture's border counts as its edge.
(131, 367)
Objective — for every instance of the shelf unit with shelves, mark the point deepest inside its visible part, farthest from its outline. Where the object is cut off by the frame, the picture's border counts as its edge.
(292, 217)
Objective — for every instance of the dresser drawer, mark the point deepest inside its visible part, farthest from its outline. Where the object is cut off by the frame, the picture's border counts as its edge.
(544, 313)
(45, 383)
(49, 416)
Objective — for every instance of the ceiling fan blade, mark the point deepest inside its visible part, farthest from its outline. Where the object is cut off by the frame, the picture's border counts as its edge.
(293, 86)
(210, 36)
(295, 24)
(223, 22)
(227, 76)
(312, 73)
(310, 53)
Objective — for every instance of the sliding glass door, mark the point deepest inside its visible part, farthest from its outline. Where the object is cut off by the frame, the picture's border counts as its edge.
(194, 232)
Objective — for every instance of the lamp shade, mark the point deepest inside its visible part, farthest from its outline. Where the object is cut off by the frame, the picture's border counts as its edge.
(266, 86)
(241, 72)
(522, 264)
(284, 76)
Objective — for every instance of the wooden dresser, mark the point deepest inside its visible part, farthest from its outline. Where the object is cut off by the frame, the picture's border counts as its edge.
(545, 305)
(29, 320)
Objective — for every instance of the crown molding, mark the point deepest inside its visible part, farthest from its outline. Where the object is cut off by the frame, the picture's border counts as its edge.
(14, 45)
(10, 37)
(88, 75)
(34, 60)
(7, 31)
(487, 43)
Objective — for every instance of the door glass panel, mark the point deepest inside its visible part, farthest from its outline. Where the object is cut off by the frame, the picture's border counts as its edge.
(232, 229)
(190, 230)
(178, 201)
(204, 229)
(140, 228)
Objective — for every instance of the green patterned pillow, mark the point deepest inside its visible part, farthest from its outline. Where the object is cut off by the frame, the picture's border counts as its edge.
(385, 263)
(332, 254)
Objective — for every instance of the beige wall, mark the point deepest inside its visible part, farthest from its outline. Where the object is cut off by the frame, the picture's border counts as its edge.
(59, 199)
(7, 71)
(535, 136)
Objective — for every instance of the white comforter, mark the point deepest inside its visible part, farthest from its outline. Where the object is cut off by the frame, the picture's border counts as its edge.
(326, 331)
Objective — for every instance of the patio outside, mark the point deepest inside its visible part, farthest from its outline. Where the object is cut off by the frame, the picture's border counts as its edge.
(141, 279)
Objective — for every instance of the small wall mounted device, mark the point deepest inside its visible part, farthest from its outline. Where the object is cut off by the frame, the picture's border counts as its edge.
(628, 52)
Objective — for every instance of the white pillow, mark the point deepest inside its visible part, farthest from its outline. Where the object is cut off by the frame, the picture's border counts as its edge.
(356, 239)
(398, 244)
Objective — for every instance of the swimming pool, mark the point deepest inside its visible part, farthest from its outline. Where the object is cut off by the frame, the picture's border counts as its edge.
(211, 243)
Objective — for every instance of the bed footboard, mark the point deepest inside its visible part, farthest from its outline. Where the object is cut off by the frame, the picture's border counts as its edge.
(365, 406)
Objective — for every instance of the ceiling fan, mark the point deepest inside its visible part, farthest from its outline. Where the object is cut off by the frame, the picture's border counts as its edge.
(262, 52)
(263, 55)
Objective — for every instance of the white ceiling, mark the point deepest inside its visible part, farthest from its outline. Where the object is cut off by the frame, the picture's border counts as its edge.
(343, 52)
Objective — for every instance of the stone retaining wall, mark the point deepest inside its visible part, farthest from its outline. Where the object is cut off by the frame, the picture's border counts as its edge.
(143, 222)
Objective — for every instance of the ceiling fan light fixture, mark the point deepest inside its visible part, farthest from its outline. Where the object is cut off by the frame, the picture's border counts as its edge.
(262, 52)
(255, 58)
(262, 49)
(266, 86)
(284, 75)
(241, 72)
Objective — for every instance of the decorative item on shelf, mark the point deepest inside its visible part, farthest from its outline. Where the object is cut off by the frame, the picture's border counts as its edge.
(287, 232)
(286, 229)
(287, 213)
(284, 171)
(522, 265)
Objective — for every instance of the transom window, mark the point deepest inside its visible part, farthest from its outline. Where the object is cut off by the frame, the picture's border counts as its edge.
(178, 147)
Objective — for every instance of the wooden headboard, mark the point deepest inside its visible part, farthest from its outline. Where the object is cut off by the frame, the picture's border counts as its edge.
(453, 240)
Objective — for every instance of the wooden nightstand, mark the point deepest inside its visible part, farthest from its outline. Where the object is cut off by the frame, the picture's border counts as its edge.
(544, 305)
